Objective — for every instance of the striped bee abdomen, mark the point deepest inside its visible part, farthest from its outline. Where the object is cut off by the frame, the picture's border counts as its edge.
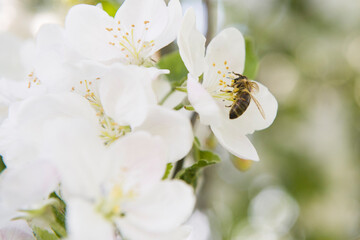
(240, 105)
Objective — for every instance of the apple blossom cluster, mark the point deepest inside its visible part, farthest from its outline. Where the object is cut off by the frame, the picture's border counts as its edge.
(88, 147)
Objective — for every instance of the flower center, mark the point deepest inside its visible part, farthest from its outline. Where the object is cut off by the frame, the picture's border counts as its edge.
(111, 131)
(134, 47)
(223, 88)
(110, 205)
(33, 80)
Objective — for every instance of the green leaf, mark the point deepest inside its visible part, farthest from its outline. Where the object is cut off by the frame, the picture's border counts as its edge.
(41, 234)
(110, 7)
(178, 71)
(202, 159)
(169, 166)
(251, 59)
(59, 210)
(2, 164)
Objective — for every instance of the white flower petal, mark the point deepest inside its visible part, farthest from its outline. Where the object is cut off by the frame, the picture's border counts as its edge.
(133, 232)
(78, 155)
(237, 144)
(83, 222)
(125, 92)
(227, 49)
(137, 12)
(173, 127)
(29, 184)
(173, 25)
(139, 158)
(21, 134)
(164, 208)
(203, 103)
(56, 64)
(191, 45)
(85, 28)
(10, 58)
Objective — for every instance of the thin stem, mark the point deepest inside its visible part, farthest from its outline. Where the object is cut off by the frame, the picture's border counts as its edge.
(166, 96)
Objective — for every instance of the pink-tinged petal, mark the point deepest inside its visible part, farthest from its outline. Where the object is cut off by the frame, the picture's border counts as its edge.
(191, 45)
(173, 127)
(28, 185)
(235, 142)
(225, 53)
(16, 230)
(164, 208)
(173, 25)
(137, 15)
(252, 120)
(85, 29)
(203, 103)
(83, 222)
(138, 158)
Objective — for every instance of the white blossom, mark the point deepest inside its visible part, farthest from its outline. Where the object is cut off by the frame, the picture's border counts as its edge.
(225, 57)
(138, 30)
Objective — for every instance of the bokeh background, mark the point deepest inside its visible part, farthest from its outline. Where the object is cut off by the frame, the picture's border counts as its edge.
(306, 185)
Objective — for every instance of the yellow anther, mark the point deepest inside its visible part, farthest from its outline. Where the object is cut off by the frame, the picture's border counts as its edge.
(132, 25)
(118, 22)
(227, 67)
(213, 64)
(146, 22)
(225, 62)
(223, 75)
(80, 82)
(119, 29)
(115, 36)
(109, 29)
(97, 78)
(219, 72)
(146, 28)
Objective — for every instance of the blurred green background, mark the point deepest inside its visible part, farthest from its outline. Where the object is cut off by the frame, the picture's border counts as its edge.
(306, 185)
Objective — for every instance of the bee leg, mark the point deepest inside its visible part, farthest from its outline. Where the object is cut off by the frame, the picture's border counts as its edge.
(227, 91)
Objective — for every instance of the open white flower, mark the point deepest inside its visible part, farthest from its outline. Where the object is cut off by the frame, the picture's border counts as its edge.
(117, 185)
(138, 30)
(225, 57)
(16, 66)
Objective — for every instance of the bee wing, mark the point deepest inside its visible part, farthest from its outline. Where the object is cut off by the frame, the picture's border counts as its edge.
(255, 86)
(261, 110)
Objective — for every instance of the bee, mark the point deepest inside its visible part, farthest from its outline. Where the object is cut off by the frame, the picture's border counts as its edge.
(242, 90)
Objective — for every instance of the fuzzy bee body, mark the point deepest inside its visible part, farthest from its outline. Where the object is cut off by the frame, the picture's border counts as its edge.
(242, 90)
(240, 104)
